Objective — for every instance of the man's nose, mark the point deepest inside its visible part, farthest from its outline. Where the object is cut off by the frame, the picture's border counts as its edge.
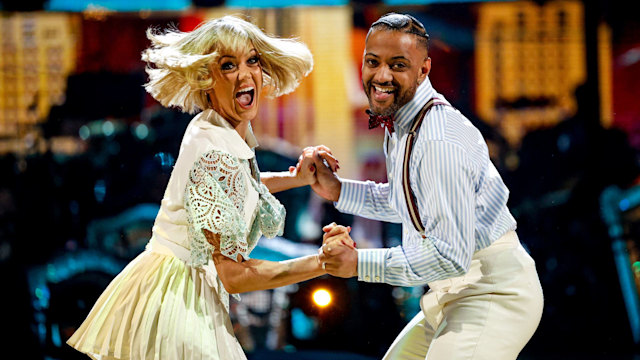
(383, 75)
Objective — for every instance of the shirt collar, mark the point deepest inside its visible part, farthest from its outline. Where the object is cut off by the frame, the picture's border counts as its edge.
(404, 116)
(233, 142)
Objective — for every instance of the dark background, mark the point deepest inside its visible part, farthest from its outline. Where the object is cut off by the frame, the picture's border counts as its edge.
(49, 203)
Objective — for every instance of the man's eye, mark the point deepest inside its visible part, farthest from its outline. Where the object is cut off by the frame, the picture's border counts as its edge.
(227, 66)
(372, 62)
(399, 66)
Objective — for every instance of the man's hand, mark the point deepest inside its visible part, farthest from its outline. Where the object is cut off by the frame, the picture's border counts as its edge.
(328, 185)
(339, 254)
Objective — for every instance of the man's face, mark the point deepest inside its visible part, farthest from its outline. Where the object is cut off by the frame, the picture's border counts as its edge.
(394, 65)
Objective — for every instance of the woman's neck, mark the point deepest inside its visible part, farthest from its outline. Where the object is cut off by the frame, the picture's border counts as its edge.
(242, 128)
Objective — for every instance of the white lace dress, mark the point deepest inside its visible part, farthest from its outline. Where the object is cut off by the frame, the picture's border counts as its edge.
(169, 302)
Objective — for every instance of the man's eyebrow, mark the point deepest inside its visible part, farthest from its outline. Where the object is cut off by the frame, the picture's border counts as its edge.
(399, 57)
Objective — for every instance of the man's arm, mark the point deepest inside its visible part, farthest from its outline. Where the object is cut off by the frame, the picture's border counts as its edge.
(363, 198)
(367, 199)
(446, 200)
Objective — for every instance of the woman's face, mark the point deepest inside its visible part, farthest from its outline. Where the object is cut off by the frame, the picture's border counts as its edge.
(238, 83)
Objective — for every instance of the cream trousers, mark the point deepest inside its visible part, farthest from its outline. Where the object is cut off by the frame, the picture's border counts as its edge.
(490, 313)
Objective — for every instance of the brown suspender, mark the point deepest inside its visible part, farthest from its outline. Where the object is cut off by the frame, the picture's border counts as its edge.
(410, 198)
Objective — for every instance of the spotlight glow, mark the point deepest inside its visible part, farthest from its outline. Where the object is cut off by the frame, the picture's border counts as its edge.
(322, 297)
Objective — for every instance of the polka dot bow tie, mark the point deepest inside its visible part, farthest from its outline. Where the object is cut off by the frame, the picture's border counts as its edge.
(377, 120)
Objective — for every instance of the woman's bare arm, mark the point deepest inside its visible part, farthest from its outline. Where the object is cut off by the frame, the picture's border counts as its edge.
(284, 180)
(254, 274)
(304, 173)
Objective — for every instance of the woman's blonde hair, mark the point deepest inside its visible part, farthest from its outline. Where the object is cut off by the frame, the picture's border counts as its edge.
(178, 62)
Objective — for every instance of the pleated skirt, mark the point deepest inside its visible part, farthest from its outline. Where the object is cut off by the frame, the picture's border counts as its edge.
(158, 308)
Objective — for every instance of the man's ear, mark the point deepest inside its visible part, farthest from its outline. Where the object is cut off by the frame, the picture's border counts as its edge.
(425, 68)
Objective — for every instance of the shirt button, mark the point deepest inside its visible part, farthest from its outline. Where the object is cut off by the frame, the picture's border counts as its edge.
(377, 278)
(367, 278)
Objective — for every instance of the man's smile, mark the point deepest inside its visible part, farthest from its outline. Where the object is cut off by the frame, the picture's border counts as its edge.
(382, 93)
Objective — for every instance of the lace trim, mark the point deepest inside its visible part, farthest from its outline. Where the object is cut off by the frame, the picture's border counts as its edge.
(214, 201)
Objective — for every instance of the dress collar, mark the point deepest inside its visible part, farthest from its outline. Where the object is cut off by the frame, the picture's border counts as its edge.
(233, 142)
(404, 116)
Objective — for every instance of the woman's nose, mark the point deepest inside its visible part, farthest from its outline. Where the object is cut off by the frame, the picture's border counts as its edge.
(244, 72)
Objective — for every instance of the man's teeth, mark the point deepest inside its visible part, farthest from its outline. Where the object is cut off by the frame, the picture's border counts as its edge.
(385, 90)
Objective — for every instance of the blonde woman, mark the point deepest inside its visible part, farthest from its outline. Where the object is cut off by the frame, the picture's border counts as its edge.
(171, 302)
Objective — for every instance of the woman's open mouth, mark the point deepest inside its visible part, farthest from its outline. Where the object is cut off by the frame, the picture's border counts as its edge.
(245, 96)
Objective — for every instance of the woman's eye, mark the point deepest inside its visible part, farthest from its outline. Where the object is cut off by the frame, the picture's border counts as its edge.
(227, 66)
(253, 60)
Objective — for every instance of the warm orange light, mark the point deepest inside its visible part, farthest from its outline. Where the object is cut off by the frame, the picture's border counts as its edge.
(322, 297)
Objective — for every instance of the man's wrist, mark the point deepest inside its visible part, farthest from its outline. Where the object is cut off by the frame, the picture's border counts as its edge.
(337, 193)
(355, 272)
(372, 262)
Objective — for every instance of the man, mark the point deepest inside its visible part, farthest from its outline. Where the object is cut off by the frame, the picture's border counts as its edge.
(485, 299)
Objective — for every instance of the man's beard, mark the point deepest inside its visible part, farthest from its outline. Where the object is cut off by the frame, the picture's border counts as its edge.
(400, 98)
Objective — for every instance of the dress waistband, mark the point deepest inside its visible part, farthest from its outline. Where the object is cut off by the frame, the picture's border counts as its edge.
(160, 245)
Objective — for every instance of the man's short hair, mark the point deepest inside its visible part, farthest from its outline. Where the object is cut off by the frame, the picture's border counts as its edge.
(404, 23)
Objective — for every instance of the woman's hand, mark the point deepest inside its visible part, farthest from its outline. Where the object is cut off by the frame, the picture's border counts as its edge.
(312, 159)
(305, 169)
(338, 255)
(319, 161)
(335, 232)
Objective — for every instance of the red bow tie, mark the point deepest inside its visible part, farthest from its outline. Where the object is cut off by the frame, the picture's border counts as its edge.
(377, 120)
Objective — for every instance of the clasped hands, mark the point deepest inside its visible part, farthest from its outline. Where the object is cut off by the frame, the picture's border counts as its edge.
(338, 254)
(317, 167)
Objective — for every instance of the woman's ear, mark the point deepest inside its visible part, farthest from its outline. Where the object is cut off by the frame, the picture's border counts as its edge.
(211, 98)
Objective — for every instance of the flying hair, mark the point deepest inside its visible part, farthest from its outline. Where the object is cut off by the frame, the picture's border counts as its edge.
(178, 63)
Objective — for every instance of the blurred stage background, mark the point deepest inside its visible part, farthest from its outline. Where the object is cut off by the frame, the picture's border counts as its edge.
(85, 154)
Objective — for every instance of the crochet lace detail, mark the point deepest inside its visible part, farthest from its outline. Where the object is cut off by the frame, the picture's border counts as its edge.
(214, 200)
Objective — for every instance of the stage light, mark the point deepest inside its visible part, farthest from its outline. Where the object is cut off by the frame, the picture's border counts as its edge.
(322, 297)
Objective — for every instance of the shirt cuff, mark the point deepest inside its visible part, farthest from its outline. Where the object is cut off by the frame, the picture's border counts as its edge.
(352, 196)
(371, 265)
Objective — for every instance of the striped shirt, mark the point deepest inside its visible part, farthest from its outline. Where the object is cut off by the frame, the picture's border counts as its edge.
(460, 195)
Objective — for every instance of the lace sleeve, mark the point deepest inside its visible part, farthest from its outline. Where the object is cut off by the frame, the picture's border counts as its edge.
(214, 201)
